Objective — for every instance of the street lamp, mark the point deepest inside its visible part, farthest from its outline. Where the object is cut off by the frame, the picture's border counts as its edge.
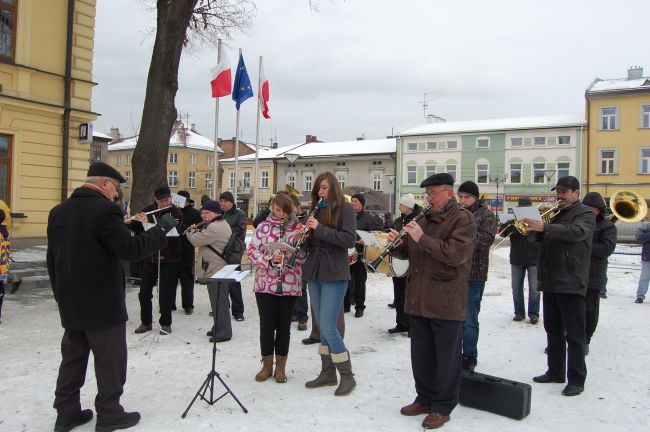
(292, 158)
(498, 178)
(390, 178)
(549, 173)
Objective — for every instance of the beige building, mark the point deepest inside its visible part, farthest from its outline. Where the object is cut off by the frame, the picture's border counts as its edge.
(45, 94)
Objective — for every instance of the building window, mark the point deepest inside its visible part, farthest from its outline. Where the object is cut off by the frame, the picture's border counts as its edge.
(645, 161)
(608, 118)
(7, 29)
(265, 179)
(376, 181)
(192, 159)
(117, 160)
(309, 182)
(208, 160)
(127, 159)
(5, 168)
(607, 162)
(173, 178)
(562, 169)
(411, 174)
(412, 147)
(483, 142)
(173, 158)
(127, 177)
(645, 116)
(515, 173)
(516, 142)
(432, 146)
(538, 173)
(564, 140)
(452, 145)
(247, 179)
(430, 170)
(342, 178)
(451, 170)
(208, 180)
(231, 181)
(192, 180)
(539, 141)
(291, 179)
(482, 170)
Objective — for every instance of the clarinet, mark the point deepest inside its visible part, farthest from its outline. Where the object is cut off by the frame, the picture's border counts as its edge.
(291, 263)
(278, 291)
(393, 245)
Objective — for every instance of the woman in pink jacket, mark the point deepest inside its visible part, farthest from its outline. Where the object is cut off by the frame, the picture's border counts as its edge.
(276, 286)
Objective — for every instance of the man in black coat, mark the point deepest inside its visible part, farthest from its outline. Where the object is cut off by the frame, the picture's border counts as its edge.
(563, 274)
(87, 238)
(191, 216)
(359, 274)
(237, 221)
(603, 244)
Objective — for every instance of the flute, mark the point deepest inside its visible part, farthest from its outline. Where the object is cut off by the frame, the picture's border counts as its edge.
(148, 213)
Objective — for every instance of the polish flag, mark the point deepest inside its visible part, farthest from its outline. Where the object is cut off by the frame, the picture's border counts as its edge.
(264, 93)
(221, 77)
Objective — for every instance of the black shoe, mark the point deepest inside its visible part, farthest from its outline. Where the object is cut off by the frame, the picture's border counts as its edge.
(534, 319)
(209, 333)
(398, 329)
(174, 307)
(239, 317)
(210, 314)
(212, 339)
(189, 311)
(468, 364)
(546, 378)
(359, 313)
(67, 423)
(310, 340)
(128, 419)
(638, 300)
(586, 349)
(572, 390)
(603, 295)
(391, 305)
(346, 309)
(518, 318)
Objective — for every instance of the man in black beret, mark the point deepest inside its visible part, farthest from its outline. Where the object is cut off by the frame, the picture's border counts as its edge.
(191, 216)
(236, 218)
(87, 238)
(439, 248)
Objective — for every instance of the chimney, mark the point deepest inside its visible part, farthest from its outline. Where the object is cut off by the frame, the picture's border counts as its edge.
(307, 138)
(115, 133)
(360, 138)
(193, 127)
(635, 72)
(274, 145)
(219, 140)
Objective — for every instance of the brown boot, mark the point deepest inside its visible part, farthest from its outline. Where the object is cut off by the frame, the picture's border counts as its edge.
(280, 374)
(342, 363)
(327, 376)
(267, 368)
(143, 328)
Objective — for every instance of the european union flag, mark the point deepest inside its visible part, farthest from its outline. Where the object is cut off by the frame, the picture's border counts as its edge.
(242, 89)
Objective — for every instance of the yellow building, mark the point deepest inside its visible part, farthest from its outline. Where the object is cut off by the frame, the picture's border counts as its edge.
(46, 56)
(190, 163)
(617, 155)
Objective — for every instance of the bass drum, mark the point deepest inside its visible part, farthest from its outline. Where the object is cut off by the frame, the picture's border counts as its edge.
(390, 266)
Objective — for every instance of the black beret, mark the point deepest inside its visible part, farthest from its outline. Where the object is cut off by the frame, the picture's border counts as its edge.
(102, 169)
(162, 192)
(567, 182)
(469, 187)
(359, 197)
(438, 179)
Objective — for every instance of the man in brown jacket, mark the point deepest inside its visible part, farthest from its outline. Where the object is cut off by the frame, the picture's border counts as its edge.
(439, 248)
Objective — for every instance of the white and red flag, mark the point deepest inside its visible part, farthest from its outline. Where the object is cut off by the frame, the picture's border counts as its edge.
(264, 93)
(221, 77)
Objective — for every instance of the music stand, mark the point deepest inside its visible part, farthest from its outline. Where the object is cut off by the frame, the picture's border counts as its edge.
(214, 286)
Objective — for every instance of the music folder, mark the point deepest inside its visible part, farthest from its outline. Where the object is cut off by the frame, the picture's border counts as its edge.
(230, 272)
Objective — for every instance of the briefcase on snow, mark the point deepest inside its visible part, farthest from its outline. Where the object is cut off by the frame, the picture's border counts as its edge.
(495, 395)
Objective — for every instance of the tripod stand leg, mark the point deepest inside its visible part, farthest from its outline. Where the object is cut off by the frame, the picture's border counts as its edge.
(231, 393)
(200, 392)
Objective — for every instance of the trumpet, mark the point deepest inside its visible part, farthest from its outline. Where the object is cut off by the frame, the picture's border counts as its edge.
(522, 227)
(393, 245)
(148, 213)
(291, 262)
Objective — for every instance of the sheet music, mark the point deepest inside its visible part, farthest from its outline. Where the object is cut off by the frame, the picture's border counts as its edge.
(178, 200)
(527, 213)
(225, 271)
(172, 233)
(369, 239)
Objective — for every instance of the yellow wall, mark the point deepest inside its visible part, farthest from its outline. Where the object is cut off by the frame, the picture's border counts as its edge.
(35, 120)
(263, 194)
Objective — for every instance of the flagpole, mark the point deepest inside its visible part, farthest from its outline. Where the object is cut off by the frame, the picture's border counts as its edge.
(215, 172)
(257, 135)
(237, 147)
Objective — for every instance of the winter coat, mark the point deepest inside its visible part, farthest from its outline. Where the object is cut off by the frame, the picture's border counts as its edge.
(172, 252)
(261, 217)
(643, 237)
(603, 244)
(216, 234)
(237, 221)
(327, 258)
(260, 252)
(366, 222)
(86, 239)
(191, 216)
(563, 264)
(522, 252)
(486, 226)
(439, 264)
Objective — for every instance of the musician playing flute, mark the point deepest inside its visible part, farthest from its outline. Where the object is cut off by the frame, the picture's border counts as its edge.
(439, 248)
(276, 286)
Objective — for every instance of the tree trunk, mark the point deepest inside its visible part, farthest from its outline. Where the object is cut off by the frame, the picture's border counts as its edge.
(159, 112)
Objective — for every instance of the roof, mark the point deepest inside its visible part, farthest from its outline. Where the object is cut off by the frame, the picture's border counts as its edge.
(515, 123)
(180, 137)
(327, 149)
(621, 84)
(102, 136)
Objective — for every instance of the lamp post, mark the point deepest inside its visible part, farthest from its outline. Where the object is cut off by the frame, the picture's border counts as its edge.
(390, 178)
(498, 178)
(292, 158)
(548, 174)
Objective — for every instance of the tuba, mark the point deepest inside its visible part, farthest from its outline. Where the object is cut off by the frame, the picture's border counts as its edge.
(627, 206)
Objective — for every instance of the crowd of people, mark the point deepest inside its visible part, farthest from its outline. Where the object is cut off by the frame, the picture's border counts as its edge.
(300, 255)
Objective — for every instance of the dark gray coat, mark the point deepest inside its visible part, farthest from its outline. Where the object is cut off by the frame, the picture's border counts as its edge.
(603, 244)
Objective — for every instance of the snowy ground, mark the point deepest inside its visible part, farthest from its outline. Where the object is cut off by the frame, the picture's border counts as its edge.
(161, 384)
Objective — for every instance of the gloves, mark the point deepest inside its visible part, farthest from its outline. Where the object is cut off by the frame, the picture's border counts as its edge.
(166, 222)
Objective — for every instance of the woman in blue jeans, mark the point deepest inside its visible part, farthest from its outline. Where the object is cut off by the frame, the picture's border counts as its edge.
(332, 231)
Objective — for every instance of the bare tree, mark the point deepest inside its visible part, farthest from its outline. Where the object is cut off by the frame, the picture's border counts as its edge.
(180, 24)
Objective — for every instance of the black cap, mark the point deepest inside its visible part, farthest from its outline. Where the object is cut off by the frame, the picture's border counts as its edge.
(594, 199)
(469, 187)
(359, 197)
(567, 182)
(102, 169)
(438, 179)
(227, 196)
(162, 192)
(524, 201)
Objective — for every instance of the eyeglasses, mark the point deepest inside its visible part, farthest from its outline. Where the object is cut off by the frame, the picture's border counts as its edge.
(433, 193)
(116, 185)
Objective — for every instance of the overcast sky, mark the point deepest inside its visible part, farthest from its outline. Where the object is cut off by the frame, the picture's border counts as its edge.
(363, 66)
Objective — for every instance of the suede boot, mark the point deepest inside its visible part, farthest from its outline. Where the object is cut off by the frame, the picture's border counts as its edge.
(280, 374)
(327, 376)
(342, 363)
(267, 368)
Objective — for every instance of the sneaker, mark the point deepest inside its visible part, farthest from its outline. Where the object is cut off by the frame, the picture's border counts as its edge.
(165, 330)
(189, 311)
(603, 295)
(534, 319)
(67, 423)
(128, 419)
(143, 328)
(518, 318)
(638, 300)
(239, 317)
(302, 325)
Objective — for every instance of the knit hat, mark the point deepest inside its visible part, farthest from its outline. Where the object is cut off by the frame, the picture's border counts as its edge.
(162, 192)
(102, 169)
(469, 187)
(408, 200)
(227, 196)
(594, 199)
(524, 201)
(361, 198)
(213, 206)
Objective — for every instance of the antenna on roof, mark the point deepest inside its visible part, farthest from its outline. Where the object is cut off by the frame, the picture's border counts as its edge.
(424, 101)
